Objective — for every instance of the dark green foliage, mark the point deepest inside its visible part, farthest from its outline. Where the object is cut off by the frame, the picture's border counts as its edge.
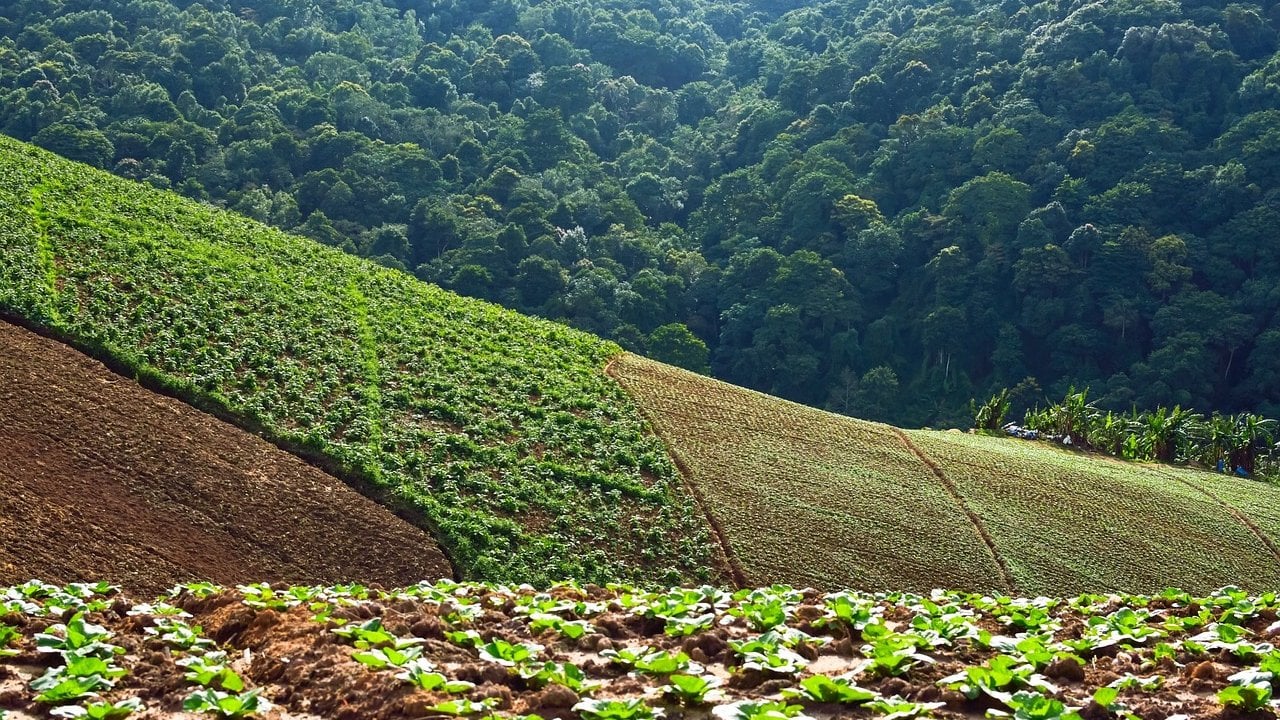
(500, 433)
(964, 193)
(1225, 442)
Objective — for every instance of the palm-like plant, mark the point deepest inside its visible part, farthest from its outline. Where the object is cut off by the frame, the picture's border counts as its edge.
(1253, 432)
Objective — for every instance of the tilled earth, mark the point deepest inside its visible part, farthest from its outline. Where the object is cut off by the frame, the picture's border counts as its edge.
(580, 653)
(101, 478)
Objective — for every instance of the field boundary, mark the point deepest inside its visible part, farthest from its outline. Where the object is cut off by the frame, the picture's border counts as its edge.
(686, 475)
(129, 367)
(1235, 512)
(1006, 574)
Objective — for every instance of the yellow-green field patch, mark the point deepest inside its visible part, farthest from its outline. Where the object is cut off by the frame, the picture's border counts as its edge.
(808, 497)
(1067, 522)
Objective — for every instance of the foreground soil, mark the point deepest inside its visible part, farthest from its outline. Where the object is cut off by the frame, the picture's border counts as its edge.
(567, 652)
(104, 479)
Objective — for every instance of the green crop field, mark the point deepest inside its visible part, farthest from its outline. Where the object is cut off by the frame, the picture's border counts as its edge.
(1067, 522)
(500, 432)
(804, 496)
(808, 497)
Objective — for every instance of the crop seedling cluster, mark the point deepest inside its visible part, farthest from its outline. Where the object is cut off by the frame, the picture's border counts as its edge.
(490, 652)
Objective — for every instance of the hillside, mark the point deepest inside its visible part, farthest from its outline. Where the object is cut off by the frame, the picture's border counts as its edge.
(498, 432)
(840, 202)
(103, 478)
(534, 452)
(813, 498)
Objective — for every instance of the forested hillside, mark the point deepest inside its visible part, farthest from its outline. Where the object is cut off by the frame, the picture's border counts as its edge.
(847, 203)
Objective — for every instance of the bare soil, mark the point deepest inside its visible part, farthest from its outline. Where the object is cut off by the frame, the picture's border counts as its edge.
(103, 479)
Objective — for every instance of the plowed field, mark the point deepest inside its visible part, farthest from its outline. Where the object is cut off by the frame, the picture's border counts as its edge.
(101, 478)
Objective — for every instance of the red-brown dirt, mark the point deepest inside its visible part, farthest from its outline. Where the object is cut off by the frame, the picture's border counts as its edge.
(102, 479)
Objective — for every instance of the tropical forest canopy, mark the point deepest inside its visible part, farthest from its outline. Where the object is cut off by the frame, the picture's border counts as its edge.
(885, 208)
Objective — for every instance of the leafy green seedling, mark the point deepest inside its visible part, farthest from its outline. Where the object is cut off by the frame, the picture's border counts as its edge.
(566, 674)
(633, 709)
(572, 629)
(227, 705)
(892, 655)
(462, 707)
(662, 662)
(9, 635)
(177, 634)
(1000, 675)
(507, 654)
(685, 626)
(1250, 697)
(79, 636)
(386, 657)
(1028, 705)
(422, 674)
(748, 710)
(626, 657)
(56, 687)
(899, 708)
(99, 710)
(464, 638)
(371, 634)
(832, 690)
(211, 671)
(692, 690)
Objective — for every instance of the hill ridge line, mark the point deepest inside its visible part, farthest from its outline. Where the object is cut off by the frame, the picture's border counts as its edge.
(1240, 517)
(686, 477)
(1005, 573)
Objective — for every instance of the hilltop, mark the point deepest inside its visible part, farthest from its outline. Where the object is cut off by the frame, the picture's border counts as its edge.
(533, 452)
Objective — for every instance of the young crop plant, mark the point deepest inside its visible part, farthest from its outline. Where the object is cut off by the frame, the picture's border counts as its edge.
(509, 654)
(566, 674)
(999, 677)
(9, 636)
(762, 710)
(1027, 705)
(1107, 698)
(692, 690)
(211, 670)
(662, 662)
(422, 674)
(178, 635)
(387, 657)
(462, 707)
(77, 636)
(572, 629)
(899, 708)
(830, 690)
(892, 655)
(632, 709)
(100, 710)
(227, 705)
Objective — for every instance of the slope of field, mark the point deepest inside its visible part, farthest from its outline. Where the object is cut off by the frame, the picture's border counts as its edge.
(502, 653)
(500, 432)
(808, 497)
(103, 479)
(1072, 523)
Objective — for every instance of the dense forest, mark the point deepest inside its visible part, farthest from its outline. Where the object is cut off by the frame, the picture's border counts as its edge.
(883, 207)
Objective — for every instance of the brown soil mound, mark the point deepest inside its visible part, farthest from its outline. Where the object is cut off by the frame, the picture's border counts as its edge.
(100, 478)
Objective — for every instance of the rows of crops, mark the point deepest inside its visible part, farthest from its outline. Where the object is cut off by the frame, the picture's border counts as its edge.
(808, 497)
(493, 652)
(500, 431)
(860, 508)
(1071, 523)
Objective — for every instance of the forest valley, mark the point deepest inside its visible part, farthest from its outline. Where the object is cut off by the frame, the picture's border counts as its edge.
(882, 208)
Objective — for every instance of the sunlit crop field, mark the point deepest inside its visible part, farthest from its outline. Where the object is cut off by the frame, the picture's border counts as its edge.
(1067, 521)
(808, 497)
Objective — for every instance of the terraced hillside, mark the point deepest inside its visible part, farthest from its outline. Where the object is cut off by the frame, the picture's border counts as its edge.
(808, 497)
(102, 478)
(500, 432)
(529, 450)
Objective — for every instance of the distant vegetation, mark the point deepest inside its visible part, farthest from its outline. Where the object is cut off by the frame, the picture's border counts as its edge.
(1242, 443)
(883, 207)
(502, 432)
